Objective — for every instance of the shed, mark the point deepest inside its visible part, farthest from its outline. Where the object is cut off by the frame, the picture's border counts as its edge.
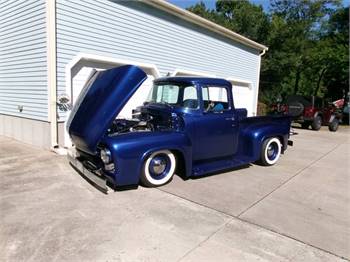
(49, 47)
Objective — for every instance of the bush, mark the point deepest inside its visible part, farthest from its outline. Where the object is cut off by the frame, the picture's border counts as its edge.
(262, 109)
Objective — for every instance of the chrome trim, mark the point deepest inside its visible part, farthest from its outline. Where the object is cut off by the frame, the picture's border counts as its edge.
(158, 166)
(110, 167)
(96, 178)
(106, 156)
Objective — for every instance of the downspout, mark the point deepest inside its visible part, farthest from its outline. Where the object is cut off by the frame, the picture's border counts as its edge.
(51, 69)
(258, 81)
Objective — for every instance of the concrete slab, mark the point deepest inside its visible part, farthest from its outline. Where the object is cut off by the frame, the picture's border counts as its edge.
(10, 148)
(74, 227)
(235, 191)
(243, 191)
(314, 206)
(239, 241)
(48, 213)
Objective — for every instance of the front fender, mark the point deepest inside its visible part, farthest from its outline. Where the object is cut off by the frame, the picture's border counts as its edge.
(130, 150)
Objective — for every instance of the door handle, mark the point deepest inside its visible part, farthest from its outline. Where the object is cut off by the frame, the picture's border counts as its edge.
(230, 118)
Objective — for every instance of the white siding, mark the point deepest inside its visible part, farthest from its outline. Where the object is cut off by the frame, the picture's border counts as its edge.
(135, 31)
(243, 95)
(23, 67)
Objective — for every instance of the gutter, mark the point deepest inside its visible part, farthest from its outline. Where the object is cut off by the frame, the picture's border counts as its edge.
(51, 70)
(258, 81)
(211, 26)
(263, 52)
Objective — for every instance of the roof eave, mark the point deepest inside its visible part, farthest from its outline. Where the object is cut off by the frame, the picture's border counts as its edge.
(193, 18)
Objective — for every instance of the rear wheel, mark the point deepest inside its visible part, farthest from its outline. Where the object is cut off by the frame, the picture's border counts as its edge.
(158, 168)
(270, 151)
(333, 126)
(316, 123)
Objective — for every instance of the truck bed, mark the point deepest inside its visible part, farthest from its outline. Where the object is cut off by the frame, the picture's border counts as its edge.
(266, 120)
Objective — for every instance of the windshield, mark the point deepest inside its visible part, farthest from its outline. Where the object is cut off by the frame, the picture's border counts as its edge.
(174, 95)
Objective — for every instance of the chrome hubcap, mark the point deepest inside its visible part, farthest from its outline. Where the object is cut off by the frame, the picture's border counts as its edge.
(158, 166)
(272, 151)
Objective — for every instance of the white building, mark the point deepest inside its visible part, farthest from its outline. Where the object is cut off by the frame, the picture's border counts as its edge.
(49, 47)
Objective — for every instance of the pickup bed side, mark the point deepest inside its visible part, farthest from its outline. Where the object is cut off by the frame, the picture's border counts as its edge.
(254, 130)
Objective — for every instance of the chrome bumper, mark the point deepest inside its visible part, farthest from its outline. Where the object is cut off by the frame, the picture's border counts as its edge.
(94, 177)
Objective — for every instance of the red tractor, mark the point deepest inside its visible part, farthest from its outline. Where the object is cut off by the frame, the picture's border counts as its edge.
(311, 111)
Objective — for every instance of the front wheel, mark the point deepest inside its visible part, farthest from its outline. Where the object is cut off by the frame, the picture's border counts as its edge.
(270, 151)
(316, 123)
(333, 126)
(158, 168)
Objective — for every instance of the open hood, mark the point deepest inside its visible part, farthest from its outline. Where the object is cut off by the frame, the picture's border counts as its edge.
(102, 98)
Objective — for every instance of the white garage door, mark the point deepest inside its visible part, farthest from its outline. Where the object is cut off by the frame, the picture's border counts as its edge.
(243, 96)
(136, 100)
(79, 81)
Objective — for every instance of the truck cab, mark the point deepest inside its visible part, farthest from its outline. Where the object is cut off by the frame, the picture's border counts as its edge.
(187, 125)
(206, 108)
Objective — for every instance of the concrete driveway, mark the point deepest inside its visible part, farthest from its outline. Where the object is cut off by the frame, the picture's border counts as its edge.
(297, 210)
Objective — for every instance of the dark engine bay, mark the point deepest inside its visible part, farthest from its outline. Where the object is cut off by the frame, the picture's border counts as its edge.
(143, 120)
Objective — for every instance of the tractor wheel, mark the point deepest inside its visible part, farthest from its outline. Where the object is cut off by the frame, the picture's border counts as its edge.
(333, 126)
(316, 123)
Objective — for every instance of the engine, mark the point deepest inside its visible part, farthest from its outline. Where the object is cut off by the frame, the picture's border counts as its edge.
(144, 120)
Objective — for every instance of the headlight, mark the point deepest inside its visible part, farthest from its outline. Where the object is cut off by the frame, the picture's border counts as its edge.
(106, 156)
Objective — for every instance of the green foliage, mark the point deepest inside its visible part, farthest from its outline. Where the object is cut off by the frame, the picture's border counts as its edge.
(308, 43)
(239, 16)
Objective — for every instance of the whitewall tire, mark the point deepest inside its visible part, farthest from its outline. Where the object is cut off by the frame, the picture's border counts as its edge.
(270, 151)
(158, 168)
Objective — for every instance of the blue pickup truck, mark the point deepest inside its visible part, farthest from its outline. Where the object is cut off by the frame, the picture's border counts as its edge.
(187, 126)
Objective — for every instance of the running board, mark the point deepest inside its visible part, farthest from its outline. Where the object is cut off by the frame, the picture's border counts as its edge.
(215, 166)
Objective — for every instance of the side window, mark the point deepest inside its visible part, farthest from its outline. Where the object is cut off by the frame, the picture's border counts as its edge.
(215, 99)
(190, 99)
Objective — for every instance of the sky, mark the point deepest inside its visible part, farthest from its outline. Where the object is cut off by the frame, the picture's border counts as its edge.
(211, 3)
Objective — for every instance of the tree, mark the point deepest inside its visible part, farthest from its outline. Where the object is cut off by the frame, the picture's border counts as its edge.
(297, 60)
(201, 10)
(307, 40)
(336, 77)
(239, 16)
(244, 18)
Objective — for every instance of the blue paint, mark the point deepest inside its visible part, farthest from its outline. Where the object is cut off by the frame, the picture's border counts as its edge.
(204, 141)
(100, 102)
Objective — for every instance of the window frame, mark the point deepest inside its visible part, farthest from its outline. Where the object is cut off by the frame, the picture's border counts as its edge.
(229, 98)
(181, 94)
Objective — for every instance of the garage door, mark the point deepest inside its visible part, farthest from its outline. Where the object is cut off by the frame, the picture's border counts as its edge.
(136, 100)
(79, 80)
(243, 96)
